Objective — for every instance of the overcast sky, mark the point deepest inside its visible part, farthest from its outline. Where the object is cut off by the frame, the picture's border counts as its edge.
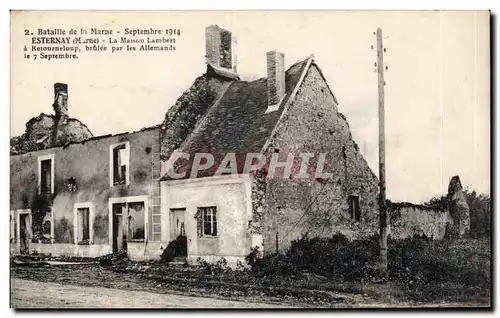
(437, 93)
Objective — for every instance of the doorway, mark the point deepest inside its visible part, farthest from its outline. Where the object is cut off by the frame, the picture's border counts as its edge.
(128, 222)
(24, 230)
(119, 242)
(129, 219)
(178, 231)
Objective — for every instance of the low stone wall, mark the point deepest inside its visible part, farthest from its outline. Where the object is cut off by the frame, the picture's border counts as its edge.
(412, 220)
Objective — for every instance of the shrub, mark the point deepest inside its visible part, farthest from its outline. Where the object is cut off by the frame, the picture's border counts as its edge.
(480, 214)
(214, 269)
(426, 269)
(333, 257)
(252, 258)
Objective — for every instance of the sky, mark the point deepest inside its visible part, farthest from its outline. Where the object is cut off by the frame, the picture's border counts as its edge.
(437, 93)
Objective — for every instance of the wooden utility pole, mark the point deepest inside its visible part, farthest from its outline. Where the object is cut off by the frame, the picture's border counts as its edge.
(381, 152)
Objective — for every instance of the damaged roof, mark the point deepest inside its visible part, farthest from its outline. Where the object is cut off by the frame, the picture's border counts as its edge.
(238, 121)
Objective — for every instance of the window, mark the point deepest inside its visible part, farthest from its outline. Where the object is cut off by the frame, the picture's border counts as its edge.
(46, 174)
(119, 162)
(354, 207)
(83, 230)
(209, 218)
(83, 215)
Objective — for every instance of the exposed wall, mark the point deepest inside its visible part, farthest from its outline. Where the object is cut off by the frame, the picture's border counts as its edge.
(295, 207)
(71, 130)
(88, 163)
(56, 130)
(231, 196)
(181, 118)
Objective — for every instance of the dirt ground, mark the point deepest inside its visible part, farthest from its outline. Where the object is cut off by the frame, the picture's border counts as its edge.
(90, 285)
(84, 276)
(51, 295)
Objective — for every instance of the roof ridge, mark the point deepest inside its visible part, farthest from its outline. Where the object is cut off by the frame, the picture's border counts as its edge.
(302, 60)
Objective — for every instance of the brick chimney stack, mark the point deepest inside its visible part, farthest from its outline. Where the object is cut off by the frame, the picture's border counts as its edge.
(275, 79)
(220, 48)
(61, 99)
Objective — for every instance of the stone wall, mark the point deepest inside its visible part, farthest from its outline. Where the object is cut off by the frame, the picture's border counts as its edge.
(408, 220)
(181, 118)
(445, 217)
(71, 130)
(46, 131)
(459, 209)
(295, 207)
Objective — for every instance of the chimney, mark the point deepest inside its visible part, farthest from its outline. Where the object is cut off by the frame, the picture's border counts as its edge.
(275, 79)
(61, 99)
(220, 48)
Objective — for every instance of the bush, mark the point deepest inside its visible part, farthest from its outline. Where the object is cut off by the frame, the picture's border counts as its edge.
(480, 214)
(333, 257)
(426, 269)
(214, 269)
(253, 259)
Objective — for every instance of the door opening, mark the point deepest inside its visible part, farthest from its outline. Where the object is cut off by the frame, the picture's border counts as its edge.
(119, 241)
(178, 231)
(24, 232)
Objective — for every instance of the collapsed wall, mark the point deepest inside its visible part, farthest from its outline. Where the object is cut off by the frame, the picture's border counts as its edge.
(51, 130)
(407, 220)
(447, 217)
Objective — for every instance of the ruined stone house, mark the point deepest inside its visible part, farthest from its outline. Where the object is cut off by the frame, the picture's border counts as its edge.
(91, 196)
(46, 130)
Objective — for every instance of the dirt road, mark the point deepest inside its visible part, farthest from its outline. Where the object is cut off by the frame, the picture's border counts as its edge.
(33, 294)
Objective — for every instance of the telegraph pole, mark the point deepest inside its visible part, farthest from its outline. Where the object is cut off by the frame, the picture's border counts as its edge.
(381, 152)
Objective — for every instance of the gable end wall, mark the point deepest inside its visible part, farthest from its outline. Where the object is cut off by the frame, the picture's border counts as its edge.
(294, 207)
